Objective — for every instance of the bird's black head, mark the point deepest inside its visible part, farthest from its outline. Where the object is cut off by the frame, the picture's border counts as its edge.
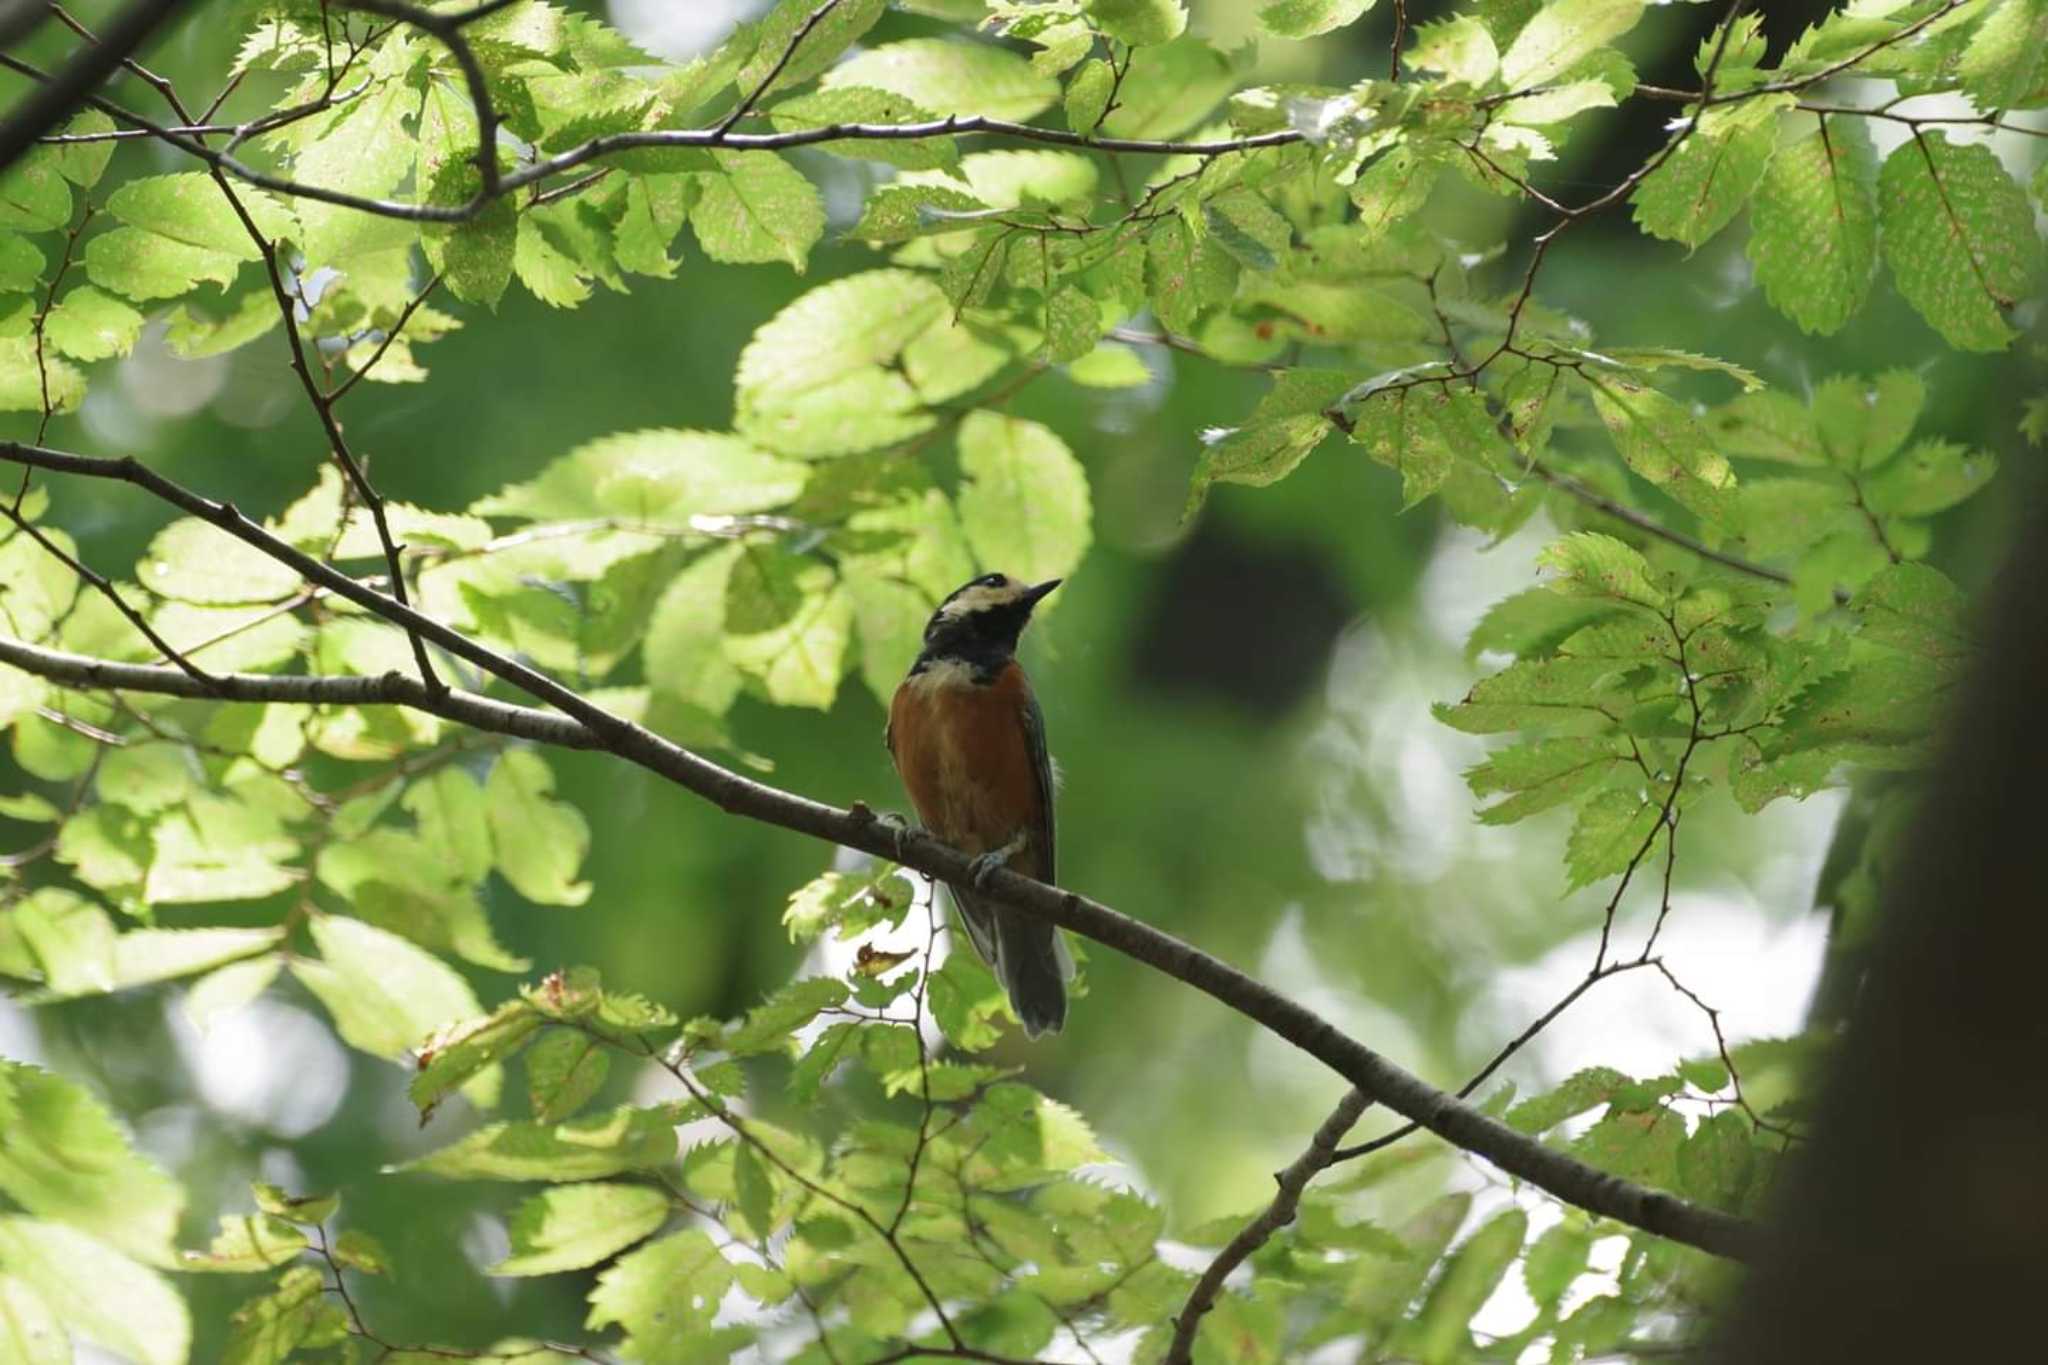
(980, 622)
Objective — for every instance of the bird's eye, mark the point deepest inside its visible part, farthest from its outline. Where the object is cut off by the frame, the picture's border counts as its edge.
(994, 580)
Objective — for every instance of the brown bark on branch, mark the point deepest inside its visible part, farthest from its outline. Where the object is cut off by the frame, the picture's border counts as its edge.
(584, 724)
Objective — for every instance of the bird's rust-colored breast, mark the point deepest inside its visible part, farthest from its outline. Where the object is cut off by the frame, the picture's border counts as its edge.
(966, 760)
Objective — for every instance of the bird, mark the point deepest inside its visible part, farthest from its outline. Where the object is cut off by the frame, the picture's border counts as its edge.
(968, 740)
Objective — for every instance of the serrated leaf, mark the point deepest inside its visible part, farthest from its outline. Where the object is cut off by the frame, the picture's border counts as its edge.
(246, 1243)
(1813, 226)
(950, 77)
(1664, 442)
(63, 1158)
(1555, 1259)
(2006, 63)
(587, 1148)
(859, 104)
(1959, 237)
(1025, 506)
(575, 1226)
(191, 209)
(1579, 1092)
(90, 325)
(456, 1054)
(1311, 18)
(816, 379)
(664, 1296)
(1562, 34)
(387, 997)
(540, 840)
(564, 1072)
(1140, 23)
(757, 208)
(770, 1025)
(96, 1291)
(1700, 187)
(1422, 431)
(843, 26)
(1613, 829)
(1438, 1331)
(1590, 563)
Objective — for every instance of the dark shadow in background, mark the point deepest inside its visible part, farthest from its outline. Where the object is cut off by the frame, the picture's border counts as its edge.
(1915, 1227)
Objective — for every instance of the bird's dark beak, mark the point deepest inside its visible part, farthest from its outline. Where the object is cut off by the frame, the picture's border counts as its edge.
(1032, 595)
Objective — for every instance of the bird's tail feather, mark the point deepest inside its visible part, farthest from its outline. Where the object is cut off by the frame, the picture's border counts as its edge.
(1028, 958)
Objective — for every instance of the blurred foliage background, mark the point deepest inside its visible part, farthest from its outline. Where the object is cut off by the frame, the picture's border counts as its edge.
(1239, 705)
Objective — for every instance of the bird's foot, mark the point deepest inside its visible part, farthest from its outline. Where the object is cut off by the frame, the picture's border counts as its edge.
(984, 866)
(900, 828)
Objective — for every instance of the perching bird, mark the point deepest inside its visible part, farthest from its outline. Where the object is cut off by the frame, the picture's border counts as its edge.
(969, 743)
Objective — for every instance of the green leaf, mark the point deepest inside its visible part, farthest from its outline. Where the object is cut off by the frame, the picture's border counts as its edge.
(1311, 18)
(33, 195)
(659, 476)
(858, 104)
(1916, 609)
(819, 379)
(843, 26)
(540, 840)
(29, 1331)
(1959, 236)
(192, 209)
(96, 1291)
(1813, 227)
(358, 1250)
(1140, 23)
(1664, 442)
(587, 1148)
(1931, 476)
(1288, 424)
(21, 265)
(1718, 1161)
(1591, 564)
(61, 1157)
(564, 1072)
(664, 1296)
(787, 624)
(1700, 187)
(229, 988)
(575, 1226)
(1169, 89)
(474, 257)
(23, 381)
(387, 997)
(194, 561)
(1471, 1274)
(2006, 64)
(1556, 1259)
(1545, 774)
(295, 1315)
(1613, 829)
(144, 266)
(770, 1026)
(950, 77)
(849, 904)
(246, 1243)
(1087, 95)
(1579, 1092)
(1561, 35)
(1642, 1145)
(1025, 504)
(756, 208)
(456, 1054)
(83, 163)
(1423, 431)
(90, 325)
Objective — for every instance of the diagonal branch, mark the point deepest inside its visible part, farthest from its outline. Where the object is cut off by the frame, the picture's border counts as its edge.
(1322, 1150)
(59, 96)
(860, 828)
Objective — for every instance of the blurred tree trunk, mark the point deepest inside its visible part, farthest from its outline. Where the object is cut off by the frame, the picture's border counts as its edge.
(1915, 1226)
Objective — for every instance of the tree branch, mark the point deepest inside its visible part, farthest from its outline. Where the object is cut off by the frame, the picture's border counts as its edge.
(860, 828)
(1322, 1150)
(59, 96)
